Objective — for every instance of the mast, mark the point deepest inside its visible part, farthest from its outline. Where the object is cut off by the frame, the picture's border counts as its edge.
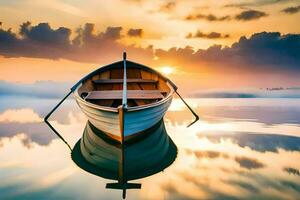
(124, 98)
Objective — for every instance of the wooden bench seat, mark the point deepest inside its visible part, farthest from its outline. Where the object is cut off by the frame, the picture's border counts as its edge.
(131, 94)
(110, 81)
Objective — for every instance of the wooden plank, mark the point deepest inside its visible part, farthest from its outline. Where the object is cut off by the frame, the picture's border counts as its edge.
(102, 102)
(148, 86)
(133, 73)
(146, 75)
(162, 85)
(109, 81)
(135, 86)
(105, 75)
(131, 94)
(95, 77)
(118, 86)
(116, 73)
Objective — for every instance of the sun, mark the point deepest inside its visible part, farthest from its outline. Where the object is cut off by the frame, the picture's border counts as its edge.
(166, 70)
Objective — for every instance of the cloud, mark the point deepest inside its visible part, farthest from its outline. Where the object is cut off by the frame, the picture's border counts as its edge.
(268, 52)
(43, 33)
(249, 163)
(291, 185)
(247, 186)
(221, 94)
(207, 154)
(37, 41)
(243, 16)
(248, 93)
(135, 32)
(42, 41)
(250, 15)
(36, 132)
(255, 3)
(173, 192)
(40, 89)
(24, 115)
(209, 17)
(291, 10)
(291, 170)
(259, 142)
(211, 35)
(204, 189)
(168, 6)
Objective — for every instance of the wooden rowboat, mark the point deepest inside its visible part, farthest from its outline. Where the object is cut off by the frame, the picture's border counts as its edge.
(124, 98)
(148, 95)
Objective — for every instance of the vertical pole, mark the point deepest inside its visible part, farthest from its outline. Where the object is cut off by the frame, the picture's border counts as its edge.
(124, 98)
(121, 121)
(122, 158)
(122, 178)
(123, 107)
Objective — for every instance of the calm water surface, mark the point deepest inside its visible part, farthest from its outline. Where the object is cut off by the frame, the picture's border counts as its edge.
(240, 149)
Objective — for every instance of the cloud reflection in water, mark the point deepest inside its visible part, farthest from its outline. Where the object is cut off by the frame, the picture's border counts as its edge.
(245, 161)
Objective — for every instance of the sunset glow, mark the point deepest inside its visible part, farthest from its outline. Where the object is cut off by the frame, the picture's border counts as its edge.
(166, 70)
(212, 44)
(150, 99)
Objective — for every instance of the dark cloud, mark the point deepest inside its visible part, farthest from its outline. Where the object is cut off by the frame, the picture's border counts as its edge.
(259, 142)
(209, 17)
(37, 41)
(255, 3)
(274, 183)
(247, 186)
(249, 163)
(291, 185)
(243, 16)
(43, 33)
(291, 170)
(206, 154)
(168, 6)
(211, 35)
(291, 10)
(87, 36)
(42, 41)
(135, 32)
(262, 52)
(34, 132)
(250, 15)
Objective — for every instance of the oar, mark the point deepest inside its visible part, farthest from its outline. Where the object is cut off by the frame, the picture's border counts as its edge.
(73, 88)
(61, 101)
(54, 130)
(193, 112)
(50, 113)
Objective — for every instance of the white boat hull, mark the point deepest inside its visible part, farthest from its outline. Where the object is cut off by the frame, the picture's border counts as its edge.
(135, 121)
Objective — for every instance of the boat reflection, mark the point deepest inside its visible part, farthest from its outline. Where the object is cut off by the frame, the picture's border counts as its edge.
(103, 157)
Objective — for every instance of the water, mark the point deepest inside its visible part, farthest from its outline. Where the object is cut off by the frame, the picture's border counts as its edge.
(240, 149)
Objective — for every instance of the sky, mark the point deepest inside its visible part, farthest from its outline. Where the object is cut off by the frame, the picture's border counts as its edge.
(198, 44)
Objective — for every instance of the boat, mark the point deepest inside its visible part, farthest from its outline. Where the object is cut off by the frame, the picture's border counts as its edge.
(124, 98)
(99, 155)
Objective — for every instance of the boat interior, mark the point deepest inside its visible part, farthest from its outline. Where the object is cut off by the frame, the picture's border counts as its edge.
(105, 88)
